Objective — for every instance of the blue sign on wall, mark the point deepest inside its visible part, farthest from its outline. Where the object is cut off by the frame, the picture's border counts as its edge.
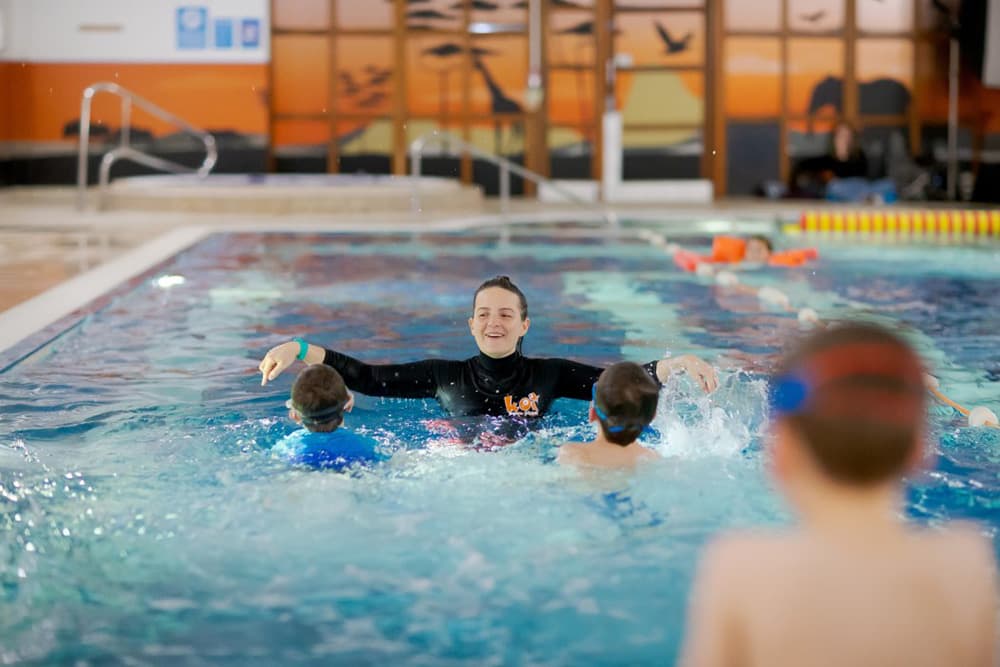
(223, 33)
(192, 27)
(250, 33)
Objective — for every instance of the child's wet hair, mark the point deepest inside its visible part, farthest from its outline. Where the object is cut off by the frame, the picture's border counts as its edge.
(627, 396)
(858, 401)
(319, 395)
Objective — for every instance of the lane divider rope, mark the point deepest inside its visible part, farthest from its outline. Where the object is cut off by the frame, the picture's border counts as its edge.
(918, 222)
(977, 416)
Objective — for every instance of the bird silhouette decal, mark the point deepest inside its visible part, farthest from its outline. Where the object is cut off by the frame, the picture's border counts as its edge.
(673, 45)
(428, 14)
(451, 49)
(814, 17)
(376, 76)
(523, 4)
(481, 5)
(372, 100)
(582, 28)
(444, 50)
(351, 88)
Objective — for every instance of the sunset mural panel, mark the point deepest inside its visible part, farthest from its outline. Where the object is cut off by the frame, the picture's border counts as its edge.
(372, 15)
(755, 16)
(300, 14)
(364, 85)
(662, 39)
(365, 81)
(752, 77)
(815, 16)
(304, 65)
(221, 97)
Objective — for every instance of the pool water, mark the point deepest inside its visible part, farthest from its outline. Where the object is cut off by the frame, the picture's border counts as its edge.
(143, 519)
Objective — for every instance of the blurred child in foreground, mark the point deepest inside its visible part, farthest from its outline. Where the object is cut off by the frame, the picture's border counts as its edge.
(854, 583)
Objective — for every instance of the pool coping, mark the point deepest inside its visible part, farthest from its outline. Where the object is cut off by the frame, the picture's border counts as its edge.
(32, 316)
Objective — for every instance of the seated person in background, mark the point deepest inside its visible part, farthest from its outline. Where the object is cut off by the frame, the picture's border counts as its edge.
(624, 404)
(842, 174)
(756, 249)
(854, 584)
(319, 401)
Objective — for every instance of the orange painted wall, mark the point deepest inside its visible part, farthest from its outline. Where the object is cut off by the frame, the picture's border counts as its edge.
(6, 120)
(38, 99)
(978, 106)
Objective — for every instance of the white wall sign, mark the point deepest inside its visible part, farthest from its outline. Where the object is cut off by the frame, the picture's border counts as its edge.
(205, 31)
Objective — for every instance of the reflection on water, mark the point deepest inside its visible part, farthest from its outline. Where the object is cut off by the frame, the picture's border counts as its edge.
(143, 519)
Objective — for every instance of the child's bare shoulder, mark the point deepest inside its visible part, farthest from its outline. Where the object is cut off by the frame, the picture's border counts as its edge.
(756, 540)
(571, 451)
(748, 552)
(647, 454)
(960, 545)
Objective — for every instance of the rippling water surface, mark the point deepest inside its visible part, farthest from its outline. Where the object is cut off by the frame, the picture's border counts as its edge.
(143, 520)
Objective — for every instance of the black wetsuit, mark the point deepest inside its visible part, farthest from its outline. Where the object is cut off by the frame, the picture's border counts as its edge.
(514, 386)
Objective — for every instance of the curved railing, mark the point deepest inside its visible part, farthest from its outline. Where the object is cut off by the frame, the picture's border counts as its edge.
(506, 167)
(124, 151)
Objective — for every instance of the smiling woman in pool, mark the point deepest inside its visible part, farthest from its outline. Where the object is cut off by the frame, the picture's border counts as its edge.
(499, 381)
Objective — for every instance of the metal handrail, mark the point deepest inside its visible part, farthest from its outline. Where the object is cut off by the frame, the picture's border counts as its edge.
(506, 167)
(125, 150)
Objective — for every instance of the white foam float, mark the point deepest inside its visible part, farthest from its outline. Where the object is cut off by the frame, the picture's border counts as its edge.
(773, 295)
(705, 270)
(808, 316)
(981, 416)
(727, 278)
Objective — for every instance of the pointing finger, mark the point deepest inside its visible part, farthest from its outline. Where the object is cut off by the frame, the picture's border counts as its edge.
(265, 370)
(276, 371)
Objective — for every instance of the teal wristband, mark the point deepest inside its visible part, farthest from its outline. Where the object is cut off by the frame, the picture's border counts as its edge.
(303, 348)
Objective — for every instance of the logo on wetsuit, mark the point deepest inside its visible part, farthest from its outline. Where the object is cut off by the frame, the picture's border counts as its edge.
(525, 407)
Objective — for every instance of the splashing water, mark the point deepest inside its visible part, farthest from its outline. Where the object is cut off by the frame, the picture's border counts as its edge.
(144, 520)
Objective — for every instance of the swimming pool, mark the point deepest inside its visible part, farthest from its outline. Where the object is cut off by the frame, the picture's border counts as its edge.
(143, 519)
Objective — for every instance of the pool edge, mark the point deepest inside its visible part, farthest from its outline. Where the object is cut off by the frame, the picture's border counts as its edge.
(47, 308)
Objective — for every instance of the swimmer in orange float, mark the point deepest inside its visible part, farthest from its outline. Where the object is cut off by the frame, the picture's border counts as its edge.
(756, 249)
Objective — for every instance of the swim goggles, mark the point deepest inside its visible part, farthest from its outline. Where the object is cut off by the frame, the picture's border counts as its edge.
(618, 428)
(787, 394)
(871, 366)
(320, 417)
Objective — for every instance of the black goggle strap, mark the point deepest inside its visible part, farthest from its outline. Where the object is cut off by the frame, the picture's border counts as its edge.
(321, 416)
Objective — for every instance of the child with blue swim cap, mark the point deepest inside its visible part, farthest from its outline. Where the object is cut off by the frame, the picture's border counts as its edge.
(319, 400)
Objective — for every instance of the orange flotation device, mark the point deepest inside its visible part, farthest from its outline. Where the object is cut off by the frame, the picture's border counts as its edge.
(688, 260)
(731, 249)
(796, 257)
(728, 249)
